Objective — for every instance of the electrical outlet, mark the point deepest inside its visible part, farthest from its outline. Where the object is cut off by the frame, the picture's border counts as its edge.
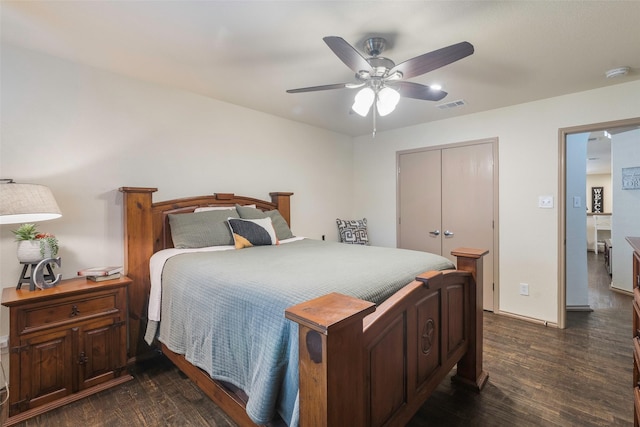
(524, 289)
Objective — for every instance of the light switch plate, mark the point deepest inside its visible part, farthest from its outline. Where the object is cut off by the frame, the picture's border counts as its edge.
(577, 202)
(545, 202)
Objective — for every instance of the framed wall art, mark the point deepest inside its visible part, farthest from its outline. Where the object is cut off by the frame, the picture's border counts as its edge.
(596, 199)
(631, 178)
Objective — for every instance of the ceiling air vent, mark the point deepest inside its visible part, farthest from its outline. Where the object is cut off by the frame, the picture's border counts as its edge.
(452, 104)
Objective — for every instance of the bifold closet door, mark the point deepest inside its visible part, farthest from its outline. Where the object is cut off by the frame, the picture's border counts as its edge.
(445, 201)
(419, 197)
(467, 207)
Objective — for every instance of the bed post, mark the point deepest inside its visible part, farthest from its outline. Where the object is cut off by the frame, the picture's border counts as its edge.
(138, 248)
(282, 200)
(331, 360)
(470, 372)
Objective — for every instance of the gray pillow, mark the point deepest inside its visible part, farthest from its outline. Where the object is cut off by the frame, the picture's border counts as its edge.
(201, 229)
(353, 231)
(279, 223)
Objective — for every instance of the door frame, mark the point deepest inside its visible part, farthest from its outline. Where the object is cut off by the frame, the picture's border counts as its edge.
(494, 141)
(562, 208)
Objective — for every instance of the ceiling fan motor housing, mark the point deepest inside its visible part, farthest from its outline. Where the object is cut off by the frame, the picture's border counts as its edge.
(374, 46)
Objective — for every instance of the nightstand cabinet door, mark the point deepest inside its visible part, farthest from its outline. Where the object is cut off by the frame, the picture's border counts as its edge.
(45, 369)
(65, 342)
(99, 355)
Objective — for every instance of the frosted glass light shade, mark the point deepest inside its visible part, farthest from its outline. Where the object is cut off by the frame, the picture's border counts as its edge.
(387, 100)
(26, 203)
(363, 101)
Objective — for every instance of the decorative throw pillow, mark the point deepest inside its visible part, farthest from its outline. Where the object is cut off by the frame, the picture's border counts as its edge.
(279, 223)
(201, 229)
(214, 208)
(353, 231)
(252, 232)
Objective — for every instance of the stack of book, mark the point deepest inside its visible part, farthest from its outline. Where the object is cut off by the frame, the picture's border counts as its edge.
(98, 274)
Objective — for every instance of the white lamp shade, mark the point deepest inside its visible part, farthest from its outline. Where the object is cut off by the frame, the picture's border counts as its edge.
(363, 101)
(387, 100)
(26, 203)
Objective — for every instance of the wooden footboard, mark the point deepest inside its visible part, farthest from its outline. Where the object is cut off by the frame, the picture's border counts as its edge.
(376, 368)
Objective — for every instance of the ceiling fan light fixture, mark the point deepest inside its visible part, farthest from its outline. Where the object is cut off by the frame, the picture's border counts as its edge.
(363, 101)
(388, 98)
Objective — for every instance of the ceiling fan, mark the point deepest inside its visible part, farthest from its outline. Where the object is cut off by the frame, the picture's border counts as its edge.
(381, 80)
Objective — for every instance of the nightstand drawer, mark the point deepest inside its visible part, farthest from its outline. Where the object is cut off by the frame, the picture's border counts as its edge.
(636, 403)
(48, 315)
(636, 318)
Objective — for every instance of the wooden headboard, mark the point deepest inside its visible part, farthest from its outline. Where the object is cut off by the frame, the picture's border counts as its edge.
(146, 231)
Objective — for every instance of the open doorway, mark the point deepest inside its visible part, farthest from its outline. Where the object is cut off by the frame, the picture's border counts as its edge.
(574, 202)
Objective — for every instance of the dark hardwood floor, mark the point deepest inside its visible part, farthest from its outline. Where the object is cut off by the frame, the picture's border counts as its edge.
(539, 376)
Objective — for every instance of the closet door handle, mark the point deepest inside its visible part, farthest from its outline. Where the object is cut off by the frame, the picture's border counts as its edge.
(435, 233)
(448, 233)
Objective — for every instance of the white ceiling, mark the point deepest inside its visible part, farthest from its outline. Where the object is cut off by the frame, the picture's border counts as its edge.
(249, 52)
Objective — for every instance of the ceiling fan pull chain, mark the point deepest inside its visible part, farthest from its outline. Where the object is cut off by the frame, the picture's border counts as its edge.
(374, 107)
(374, 116)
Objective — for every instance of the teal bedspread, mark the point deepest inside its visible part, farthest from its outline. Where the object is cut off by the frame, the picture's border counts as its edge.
(225, 310)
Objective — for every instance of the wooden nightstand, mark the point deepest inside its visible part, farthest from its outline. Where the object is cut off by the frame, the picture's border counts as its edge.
(635, 266)
(65, 343)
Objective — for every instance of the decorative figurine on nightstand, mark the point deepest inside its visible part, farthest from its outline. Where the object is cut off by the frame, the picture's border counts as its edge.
(38, 275)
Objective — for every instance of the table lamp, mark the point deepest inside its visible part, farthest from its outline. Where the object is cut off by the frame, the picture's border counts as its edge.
(21, 203)
(26, 203)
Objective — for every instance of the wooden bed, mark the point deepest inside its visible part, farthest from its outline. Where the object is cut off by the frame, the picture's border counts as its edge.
(360, 365)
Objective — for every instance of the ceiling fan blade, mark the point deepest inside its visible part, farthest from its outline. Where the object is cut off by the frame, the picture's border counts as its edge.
(418, 91)
(433, 60)
(316, 88)
(347, 53)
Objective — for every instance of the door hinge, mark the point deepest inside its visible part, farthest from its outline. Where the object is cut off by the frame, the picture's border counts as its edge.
(19, 349)
(493, 286)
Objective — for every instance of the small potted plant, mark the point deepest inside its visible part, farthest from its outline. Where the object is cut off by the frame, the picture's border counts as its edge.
(33, 247)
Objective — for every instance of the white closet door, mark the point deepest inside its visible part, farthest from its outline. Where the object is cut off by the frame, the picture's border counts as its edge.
(467, 205)
(450, 192)
(419, 200)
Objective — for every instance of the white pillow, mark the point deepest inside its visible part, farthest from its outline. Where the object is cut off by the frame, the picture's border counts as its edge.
(219, 208)
(214, 208)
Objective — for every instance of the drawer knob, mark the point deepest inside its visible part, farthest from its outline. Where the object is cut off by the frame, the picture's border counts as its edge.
(82, 359)
(74, 310)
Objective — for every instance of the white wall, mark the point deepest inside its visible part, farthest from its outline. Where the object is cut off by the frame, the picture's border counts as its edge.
(625, 153)
(85, 133)
(528, 168)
